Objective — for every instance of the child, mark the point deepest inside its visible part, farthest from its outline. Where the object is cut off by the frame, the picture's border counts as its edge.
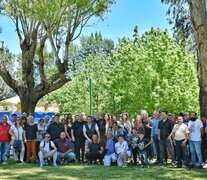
(142, 143)
(132, 141)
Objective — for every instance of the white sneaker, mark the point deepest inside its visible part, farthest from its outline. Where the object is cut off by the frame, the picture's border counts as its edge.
(41, 165)
(54, 165)
(124, 166)
(4, 162)
(205, 166)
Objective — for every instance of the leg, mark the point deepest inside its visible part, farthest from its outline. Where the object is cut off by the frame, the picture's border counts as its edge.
(58, 157)
(134, 154)
(197, 145)
(162, 150)
(192, 152)
(22, 152)
(170, 149)
(54, 158)
(179, 152)
(28, 144)
(77, 150)
(4, 148)
(82, 150)
(156, 143)
(69, 156)
(124, 158)
(107, 160)
(33, 146)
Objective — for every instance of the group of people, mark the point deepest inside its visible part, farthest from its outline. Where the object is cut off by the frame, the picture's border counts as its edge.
(107, 140)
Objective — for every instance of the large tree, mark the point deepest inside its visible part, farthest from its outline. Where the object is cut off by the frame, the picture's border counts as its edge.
(40, 24)
(196, 14)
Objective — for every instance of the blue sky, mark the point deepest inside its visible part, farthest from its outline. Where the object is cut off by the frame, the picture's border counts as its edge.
(122, 19)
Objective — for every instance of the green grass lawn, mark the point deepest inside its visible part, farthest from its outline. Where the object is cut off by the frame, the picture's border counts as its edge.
(73, 171)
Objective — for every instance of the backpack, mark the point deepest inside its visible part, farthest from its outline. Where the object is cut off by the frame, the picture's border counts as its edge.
(50, 145)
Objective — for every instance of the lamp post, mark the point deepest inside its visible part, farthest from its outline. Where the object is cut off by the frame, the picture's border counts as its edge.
(91, 100)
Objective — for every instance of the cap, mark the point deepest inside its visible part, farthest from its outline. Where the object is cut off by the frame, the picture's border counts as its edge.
(57, 114)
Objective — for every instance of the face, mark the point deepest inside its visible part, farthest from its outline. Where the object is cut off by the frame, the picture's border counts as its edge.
(134, 131)
(106, 117)
(95, 138)
(46, 119)
(121, 139)
(62, 135)
(156, 114)
(163, 115)
(30, 119)
(187, 115)
(56, 118)
(18, 121)
(80, 117)
(145, 116)
(14, 118)
(4, 119)
(124, 116)
(139, 119)
(180, 119)
(114, 126)
(47, 137)
(192, 116)
(89, 120)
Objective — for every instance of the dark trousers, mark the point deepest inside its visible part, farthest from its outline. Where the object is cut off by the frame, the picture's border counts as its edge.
(156, 142)
(163, 145)
(134, 154)
(79, 145)
(94, 156)
(181, 152)
(204, 150)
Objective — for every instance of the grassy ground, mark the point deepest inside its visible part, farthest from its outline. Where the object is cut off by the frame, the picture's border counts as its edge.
(73, 171)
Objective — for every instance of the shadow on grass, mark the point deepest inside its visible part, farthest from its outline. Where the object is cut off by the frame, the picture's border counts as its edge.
(28, 171)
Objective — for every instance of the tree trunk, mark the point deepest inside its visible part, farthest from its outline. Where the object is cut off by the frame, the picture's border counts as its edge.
(199, 24)
(28, 103)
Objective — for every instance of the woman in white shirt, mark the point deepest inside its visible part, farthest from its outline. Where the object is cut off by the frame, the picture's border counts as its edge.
(17, 132)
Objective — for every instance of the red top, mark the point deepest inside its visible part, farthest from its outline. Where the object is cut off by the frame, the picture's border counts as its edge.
(4, 132)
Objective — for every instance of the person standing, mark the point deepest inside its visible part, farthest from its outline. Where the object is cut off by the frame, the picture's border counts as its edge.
(154, 134)
(17, 133)
(55, 128)
(78, 138)
(165, 128)
(195, 126)
(30, 138)
(180, 138)
(4, 138)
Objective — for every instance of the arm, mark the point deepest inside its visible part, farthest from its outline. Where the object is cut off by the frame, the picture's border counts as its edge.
(66, 131)
(158, 134)
(25, 139)
(11, 132)
(85, 135)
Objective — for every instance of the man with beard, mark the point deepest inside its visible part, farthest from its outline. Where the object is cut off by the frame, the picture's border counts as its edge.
(196, 129)
(64, 149)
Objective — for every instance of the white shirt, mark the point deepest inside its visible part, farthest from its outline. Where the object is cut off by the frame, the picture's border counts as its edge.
(18, 134)
(89, 125)
(120, 148)
(47, 145)
(194, 128)
(180, 131)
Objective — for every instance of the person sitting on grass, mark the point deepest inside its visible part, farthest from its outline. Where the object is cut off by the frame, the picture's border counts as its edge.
(122, 151)
(142, 144)
(64, 149)
(94, 150)
(47, 150)
(110, 155)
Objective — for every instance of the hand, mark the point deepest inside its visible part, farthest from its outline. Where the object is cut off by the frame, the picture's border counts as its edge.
(183, 144)
(62, 155)
(100, 151)
(25, 141)
(169, 138)
(174, 142)
(152, 141)
(89, 140)
(73, 139)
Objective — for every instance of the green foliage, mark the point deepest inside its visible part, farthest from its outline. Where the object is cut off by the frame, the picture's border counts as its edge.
(148, 72)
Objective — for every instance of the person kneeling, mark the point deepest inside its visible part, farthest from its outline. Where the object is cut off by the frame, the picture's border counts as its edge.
(110, 155)
(94, 150)
(122, 150)
(47, 150)
(64, 149)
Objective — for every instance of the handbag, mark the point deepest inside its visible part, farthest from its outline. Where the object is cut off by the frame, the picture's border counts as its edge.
(17, 144)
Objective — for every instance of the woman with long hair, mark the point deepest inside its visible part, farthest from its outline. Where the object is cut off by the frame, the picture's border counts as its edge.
(105, 126)
(68, 121)
(30, 138)
(17, 133)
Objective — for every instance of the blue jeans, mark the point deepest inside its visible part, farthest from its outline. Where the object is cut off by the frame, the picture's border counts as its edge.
(195, 147)
(3, 147)
(68, 157)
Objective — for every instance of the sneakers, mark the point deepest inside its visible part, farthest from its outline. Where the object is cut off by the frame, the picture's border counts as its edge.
(4, 163)
(191, 166)
(205, 166)
(124, 166)
(54, 165)
(173, 164)
(200, 166)
(41, 165)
